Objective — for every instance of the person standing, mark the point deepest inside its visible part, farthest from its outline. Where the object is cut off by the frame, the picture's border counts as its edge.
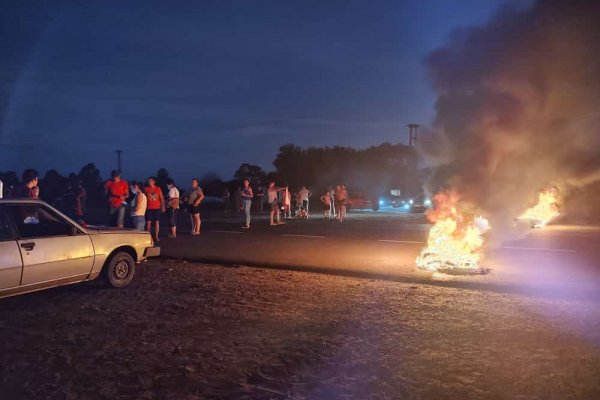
(343, 203)
(156, 206)
(287, 204)
(237, 200)
(138, 206)
(247, 195)
(326, 202)
(172, 207)
(272, 193)
(1, 189)
(226, 200)
(117, 191)
(339, 202)
(75, 200)
(332, 211)
(304, 196)
(27, 188)
(194, 197)
(80, 198)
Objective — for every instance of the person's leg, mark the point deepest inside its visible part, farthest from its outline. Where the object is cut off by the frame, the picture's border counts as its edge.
(247, 209)
(273, 207)
(111, 217)
(172, 215)
(197, 223)
(120, 217)
(156, 229)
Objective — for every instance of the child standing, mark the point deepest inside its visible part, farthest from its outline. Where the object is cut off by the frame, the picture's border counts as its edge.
(326, 201)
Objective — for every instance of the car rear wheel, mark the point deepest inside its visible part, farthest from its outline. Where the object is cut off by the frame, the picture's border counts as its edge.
(119, 270)
(375, 205)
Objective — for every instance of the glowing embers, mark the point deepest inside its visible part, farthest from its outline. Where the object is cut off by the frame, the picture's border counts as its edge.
(544, 211)
(455, 241)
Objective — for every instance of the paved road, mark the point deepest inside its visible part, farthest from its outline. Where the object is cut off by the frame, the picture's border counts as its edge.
(559, 261)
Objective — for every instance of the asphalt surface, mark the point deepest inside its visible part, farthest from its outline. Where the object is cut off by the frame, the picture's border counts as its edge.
(561, 261)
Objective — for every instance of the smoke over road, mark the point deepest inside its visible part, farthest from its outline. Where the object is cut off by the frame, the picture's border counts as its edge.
(518, 107)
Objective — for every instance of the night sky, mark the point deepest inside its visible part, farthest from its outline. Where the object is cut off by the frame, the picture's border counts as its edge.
(202, 86)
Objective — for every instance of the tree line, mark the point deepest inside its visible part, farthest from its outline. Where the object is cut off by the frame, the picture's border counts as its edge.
(374, 170)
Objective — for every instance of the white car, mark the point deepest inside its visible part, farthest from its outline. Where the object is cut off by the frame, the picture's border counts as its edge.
(41, 248)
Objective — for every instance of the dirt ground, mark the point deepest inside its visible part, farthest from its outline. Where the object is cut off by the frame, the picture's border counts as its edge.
(191, 331)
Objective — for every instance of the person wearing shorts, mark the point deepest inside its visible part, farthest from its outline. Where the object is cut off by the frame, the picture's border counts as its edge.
(155, 206)
(193, 200)
(272, 193)
(326, 202)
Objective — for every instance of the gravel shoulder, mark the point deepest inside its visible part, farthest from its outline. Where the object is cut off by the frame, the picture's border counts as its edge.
(194, 331)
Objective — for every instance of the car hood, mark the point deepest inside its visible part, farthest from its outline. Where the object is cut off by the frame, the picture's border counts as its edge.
(92, 229)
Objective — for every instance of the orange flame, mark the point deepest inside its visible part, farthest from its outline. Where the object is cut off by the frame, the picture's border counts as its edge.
(455, 240)
(545, 210)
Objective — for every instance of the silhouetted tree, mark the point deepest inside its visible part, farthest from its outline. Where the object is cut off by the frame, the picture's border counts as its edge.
(207, 178)
(9, 179)
(254, 173)
(373, 170)
(52, 187)
(161, 179)
(93, 184)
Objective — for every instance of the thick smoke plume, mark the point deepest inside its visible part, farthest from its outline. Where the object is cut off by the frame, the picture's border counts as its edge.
(518, 107)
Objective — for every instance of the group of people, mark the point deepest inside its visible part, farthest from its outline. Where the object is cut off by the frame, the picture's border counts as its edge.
(279, 199)
(335, 202)
(148, 202)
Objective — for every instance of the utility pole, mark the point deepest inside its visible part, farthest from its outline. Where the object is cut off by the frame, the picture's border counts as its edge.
(119, 160)
(412, 134)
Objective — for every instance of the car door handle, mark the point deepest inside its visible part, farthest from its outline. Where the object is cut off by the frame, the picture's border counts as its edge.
(28, 246)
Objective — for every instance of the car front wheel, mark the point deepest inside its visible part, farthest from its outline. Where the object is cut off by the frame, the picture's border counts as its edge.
(119, 270)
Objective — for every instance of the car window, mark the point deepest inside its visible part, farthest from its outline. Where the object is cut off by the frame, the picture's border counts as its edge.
(5, 230)
(36, 221)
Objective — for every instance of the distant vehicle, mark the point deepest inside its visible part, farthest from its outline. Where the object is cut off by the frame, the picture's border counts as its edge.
(42, 248)
(360, 201)
(418, 204)
(390, 200)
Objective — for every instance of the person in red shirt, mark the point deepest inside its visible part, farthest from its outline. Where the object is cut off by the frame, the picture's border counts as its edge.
(156, 206)
(117, 191)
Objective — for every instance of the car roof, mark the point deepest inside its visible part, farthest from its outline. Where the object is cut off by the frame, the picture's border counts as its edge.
(22, 201)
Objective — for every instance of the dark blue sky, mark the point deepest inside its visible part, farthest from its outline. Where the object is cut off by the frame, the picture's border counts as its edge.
(202, 86)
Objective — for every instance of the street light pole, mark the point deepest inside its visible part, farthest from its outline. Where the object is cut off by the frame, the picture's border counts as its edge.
(119, 160)
(412, 134)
